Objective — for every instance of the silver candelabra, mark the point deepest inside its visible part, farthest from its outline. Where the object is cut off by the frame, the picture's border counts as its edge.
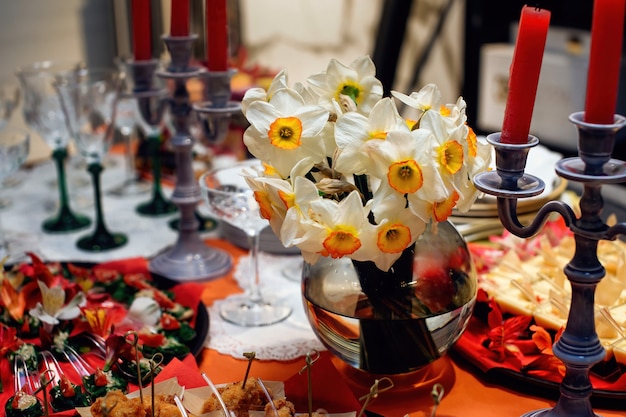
(190, 258)
(579, 346)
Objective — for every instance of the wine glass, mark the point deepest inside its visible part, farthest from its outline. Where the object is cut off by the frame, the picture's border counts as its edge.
(126, 122)
(42, 113)
(9, 100)
(89, 99)
(230, 199)
(14, 148)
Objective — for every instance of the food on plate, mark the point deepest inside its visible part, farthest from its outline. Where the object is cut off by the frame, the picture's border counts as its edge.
(117, 404)
(526, 277)
(66, 396)
(23, 405)
(237, 399)
(101, 382)
(283, 407)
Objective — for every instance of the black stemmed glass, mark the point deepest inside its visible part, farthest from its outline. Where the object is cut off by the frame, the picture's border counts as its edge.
(89, 98)
(42, 113)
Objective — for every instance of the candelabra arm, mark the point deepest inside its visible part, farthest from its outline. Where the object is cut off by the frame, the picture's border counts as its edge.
(507, 211)
(614, 231)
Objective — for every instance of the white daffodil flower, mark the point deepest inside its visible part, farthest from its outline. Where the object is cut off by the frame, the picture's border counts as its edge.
(351, 177)
(52, 308)
(353, 130)
(354, 87)
(258, 93)
(284, 130)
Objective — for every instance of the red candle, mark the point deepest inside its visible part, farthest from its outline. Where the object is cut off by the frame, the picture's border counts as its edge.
(607, 30)
(179, 23)
(217, 35)
(142, 36)
(524, 74)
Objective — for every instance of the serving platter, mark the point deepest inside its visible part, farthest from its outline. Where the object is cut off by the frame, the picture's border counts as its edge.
(87, 352)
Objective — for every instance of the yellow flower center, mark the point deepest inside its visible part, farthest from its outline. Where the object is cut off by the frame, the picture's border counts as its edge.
(378, 134)
(444, 111)
(443, 209)
(350, 89)
(96, 318)
(472, 144)
(394, 238)
(265, 205)
(451, 156)
(285, 133)
(410, 123)
(341, 242)
(405, 176)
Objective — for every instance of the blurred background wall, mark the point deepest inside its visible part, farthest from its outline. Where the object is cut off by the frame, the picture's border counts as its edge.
(464, 46)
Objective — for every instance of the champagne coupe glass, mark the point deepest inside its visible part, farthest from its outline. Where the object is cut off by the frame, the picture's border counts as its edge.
(89, 99)
(42, 113)
(230, 199)
(14, 148)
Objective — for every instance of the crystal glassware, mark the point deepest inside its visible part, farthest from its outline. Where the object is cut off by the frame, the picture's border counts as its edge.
(43, 114)
(14, 148)
(230, 199)
(89, 98)
(9, 100)
(126, 122)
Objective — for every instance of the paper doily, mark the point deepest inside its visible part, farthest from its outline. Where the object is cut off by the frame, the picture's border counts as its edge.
(286, 340)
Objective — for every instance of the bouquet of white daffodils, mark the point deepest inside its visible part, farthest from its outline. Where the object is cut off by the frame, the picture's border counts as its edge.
(346, 175)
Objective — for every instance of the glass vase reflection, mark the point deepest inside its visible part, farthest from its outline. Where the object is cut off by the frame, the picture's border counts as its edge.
(399, 321)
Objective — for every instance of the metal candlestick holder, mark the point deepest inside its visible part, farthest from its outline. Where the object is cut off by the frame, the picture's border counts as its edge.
(215, 112)
(579, 347)
(190, 259)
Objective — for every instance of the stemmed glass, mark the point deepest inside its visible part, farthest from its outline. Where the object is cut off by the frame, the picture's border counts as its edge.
(230, 199)
(126, 122)
(42, 112)
(14, 148)
(9, 99)
(89, 98)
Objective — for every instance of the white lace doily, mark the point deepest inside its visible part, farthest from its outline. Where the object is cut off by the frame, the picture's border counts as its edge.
(292, 338)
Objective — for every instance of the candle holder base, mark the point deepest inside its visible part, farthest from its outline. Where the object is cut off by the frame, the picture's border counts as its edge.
(190, 262)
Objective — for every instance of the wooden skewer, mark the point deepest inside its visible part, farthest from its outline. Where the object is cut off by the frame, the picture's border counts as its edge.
(527, 291)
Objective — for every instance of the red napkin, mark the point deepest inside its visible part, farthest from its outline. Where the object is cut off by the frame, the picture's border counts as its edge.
(471, 347)
(186, 371)
(330, 391)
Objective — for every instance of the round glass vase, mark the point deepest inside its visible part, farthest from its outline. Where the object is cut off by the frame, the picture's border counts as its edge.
(399, 321)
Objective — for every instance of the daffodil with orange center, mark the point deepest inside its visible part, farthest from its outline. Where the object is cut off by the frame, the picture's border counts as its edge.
(284, 131)
(353, 130)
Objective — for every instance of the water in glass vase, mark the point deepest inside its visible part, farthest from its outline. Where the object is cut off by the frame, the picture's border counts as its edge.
(391, 324)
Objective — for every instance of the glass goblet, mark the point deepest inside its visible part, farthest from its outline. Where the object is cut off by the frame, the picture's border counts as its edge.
(126, 122)
(89, 98)
(14, 148)
(9, 100)
(43, 114)
(230, 199)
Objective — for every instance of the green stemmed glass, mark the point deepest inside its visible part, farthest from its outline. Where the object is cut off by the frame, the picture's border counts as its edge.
(89, 98)
(43, 114)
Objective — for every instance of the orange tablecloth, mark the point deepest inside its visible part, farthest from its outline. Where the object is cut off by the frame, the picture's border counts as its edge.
(467, 392)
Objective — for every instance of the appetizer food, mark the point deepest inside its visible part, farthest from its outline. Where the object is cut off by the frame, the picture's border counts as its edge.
(67, 396)
(116, 404)
(23, 405)
(101, 382)
(284, 408)
(237, 399)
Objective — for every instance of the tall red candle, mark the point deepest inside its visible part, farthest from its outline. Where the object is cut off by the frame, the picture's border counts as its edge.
(179, 22)
(217, 35)
(607, 30)
(142, 36)
(524, 74)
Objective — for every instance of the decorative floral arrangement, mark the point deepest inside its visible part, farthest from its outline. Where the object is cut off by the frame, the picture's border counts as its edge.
(346, 175)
